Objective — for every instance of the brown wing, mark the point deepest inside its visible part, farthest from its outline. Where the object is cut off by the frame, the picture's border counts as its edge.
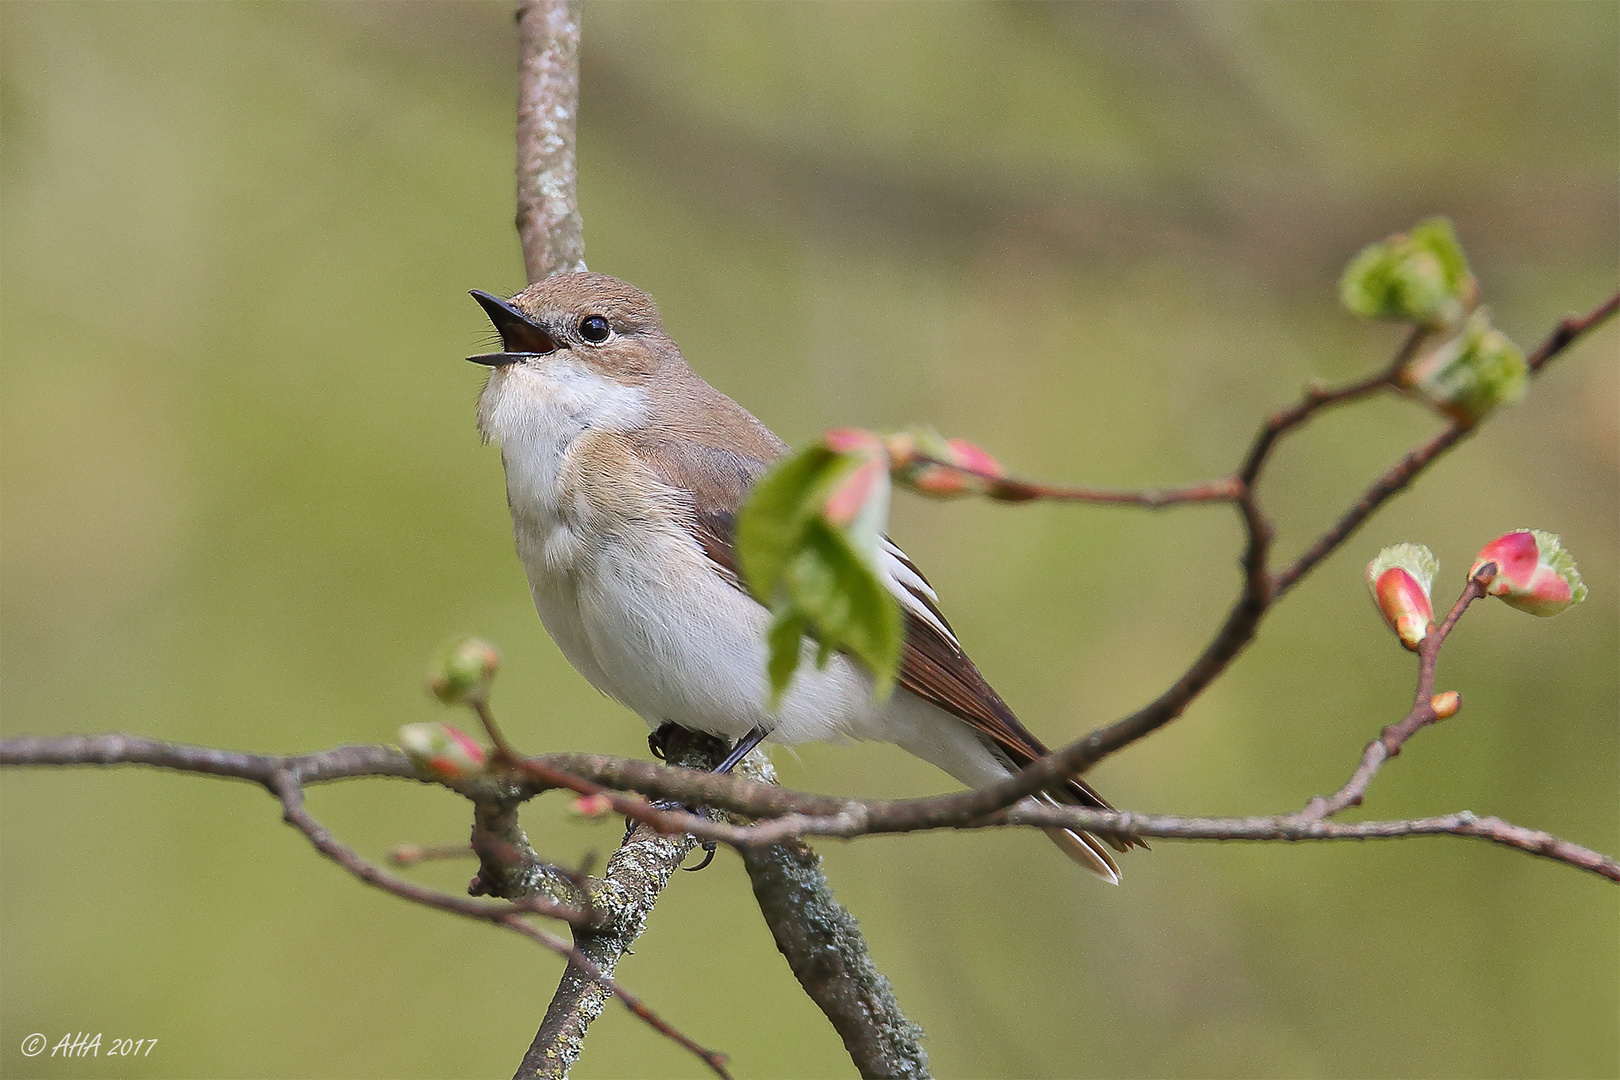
(933, 666)
(717, 481)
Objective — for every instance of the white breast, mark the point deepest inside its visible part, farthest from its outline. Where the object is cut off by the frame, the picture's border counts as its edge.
(536, 413)
(636, 606)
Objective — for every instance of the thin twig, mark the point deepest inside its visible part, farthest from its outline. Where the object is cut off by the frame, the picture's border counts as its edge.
(1014, 490)
(793, 814)
(1568, 329)
(1423, 713)
(1261, 589)
(287, 788)
(411, 854)
(1291, 828)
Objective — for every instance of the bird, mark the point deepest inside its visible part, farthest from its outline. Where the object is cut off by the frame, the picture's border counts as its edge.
(625, 472)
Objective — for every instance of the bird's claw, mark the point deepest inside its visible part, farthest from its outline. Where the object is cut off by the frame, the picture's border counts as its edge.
(709, 846)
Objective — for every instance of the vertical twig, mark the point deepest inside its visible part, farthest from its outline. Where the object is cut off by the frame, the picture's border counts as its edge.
(553, 240)
(820, 939)
(548, 221)
(629, 888)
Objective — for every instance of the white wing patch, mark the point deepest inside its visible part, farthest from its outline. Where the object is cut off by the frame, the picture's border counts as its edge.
(911, 588)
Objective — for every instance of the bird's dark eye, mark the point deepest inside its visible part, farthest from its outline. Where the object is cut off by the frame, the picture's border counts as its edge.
(594, 328)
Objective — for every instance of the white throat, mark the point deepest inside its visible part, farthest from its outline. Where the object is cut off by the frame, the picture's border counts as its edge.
(535, 411)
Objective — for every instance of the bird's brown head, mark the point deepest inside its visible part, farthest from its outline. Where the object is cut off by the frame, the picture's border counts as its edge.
(593, 320)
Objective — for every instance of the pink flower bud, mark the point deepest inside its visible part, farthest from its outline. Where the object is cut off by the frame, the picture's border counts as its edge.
(592, 807)
(444, 751)
(933, 479)
(1533, 572)
(1400, 579)
(462, 671)
(856, 490)
(852, 441)
(902, 448)
(949, 478)
(966, 455)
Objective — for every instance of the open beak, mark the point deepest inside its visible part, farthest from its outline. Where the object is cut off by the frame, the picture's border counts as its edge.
(522, 337)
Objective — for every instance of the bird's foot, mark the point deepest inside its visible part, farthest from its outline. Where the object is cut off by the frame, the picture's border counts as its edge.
(709, 846)
(658, 738)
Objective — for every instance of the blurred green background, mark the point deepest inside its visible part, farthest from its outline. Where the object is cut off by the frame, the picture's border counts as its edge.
(243, 500)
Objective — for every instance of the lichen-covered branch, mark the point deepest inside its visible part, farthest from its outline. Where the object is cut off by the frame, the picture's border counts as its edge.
(635, 876)
(828, 955)
(548, 221)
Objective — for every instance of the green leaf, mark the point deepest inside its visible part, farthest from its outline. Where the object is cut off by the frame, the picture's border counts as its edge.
(815, 577)
(772, 521)
(1471, 373)
(1438, 237)
(849, 607)
(1419, 277)
(785, 639)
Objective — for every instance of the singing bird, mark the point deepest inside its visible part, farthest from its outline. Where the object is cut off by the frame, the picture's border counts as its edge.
(624, 474)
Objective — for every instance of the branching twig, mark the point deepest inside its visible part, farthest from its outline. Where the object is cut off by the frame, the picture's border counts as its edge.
(285, 778)
(1424, 709)
(793, 814)
(291, 794)
(1262, 588)
(631, 884)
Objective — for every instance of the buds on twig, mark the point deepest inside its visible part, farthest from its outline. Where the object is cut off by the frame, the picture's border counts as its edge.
(1533, 572)
(447, 752)
(927, 462)
(461, 672)
(1470, 373)
(1419, 277)
(1400, 579)
(1422, 277)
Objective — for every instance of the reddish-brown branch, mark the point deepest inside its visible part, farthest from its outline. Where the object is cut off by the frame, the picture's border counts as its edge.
(1292, 828)
(1394, 480)
(1012, 489)
(287, 788)
(1422, 714)
(411, 854)
(1570, 328)
(509, 915)
(1261, 588)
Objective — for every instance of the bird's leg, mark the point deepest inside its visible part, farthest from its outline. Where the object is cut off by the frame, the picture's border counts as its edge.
(656, 742)
(740, 751)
